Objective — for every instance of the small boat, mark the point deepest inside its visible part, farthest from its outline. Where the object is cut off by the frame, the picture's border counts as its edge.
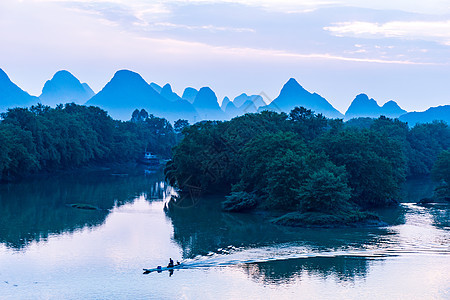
(161, 269)
(150, 159)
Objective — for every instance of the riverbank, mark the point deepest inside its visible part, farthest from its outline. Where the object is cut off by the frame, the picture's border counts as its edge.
(117, 168)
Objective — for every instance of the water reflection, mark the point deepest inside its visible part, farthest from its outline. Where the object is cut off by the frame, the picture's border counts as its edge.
(33, 210)
(274, 254)
(342, 269)
(440, 214)
(269, 252)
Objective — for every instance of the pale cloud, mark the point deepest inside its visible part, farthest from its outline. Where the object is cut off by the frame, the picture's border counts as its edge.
(436, 31)
(292, 6)
(211, 28)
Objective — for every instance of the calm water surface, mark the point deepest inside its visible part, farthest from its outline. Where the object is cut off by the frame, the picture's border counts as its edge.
(49, 250)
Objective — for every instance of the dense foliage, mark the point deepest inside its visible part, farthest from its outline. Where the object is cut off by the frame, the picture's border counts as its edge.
(46, 139)
(441, 173)
(304, 162)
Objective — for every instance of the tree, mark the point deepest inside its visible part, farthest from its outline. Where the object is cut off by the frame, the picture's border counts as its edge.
(180, 124)
(441, 173)
(306, 123)
(326, 190)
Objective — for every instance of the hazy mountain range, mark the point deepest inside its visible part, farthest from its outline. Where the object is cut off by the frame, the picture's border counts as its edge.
(362, 106)
(128, 91)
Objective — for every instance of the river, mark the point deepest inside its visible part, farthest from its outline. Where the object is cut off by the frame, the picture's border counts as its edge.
(50, 250)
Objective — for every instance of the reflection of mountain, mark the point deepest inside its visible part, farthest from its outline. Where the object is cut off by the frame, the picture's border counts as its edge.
(341, 268)
(33, 210)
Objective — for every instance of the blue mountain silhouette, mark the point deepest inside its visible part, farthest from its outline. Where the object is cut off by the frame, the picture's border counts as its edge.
(189, 94)
(293, 94)
(441, 113)
(13, 96)
(225, 102)
(167, 93)
(64, 88)
(207, 106)
(156, 87)
(128, 91)
(362, 106)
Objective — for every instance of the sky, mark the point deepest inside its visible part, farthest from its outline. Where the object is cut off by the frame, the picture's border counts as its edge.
(391, 50)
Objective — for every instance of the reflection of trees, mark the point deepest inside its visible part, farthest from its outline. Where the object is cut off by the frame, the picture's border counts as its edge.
(33, 210)
(285, 271)
(203, 229)
(440, 214)
(416, 188)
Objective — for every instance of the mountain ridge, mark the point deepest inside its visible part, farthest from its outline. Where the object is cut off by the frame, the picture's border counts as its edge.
(64, 87)
(293, 94)
(127, 91)
(11, 95)
(363, 106)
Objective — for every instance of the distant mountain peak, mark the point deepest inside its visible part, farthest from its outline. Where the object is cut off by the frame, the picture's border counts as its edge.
(292, 87)
(363, 106)
(391, 104)
(128, 91)
(293, 95)
(63, 88)
(206, 99)
(292, 81)
(167, 93)
(207, 106)
(167, 88)
(3, 75)
(127, 75)
(11, 95)
(63, 74)
(189, 94)
(225, 102)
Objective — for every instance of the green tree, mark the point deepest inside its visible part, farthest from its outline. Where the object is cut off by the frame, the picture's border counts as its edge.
(326, 190)
(441, 173)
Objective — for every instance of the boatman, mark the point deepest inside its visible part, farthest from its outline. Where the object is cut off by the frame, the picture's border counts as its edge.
(170, 265)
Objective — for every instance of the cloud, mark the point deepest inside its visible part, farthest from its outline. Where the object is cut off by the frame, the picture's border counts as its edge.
(147, 17)
(435, 31)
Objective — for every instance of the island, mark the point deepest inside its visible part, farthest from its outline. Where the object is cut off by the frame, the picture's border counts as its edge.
(305, 168)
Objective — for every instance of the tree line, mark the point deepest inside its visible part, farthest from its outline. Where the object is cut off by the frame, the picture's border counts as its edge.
(45, 139)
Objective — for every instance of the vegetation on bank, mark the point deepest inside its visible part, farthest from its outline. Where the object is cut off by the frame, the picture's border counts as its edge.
(44, 139)
(316, 170)
(441, 173)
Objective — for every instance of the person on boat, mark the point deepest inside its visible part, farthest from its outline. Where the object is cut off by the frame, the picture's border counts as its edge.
(170, 265)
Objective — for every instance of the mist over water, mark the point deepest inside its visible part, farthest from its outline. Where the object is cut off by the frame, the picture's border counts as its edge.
(49, 249)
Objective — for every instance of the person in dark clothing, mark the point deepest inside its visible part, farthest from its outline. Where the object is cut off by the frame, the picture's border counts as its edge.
(170, 265)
